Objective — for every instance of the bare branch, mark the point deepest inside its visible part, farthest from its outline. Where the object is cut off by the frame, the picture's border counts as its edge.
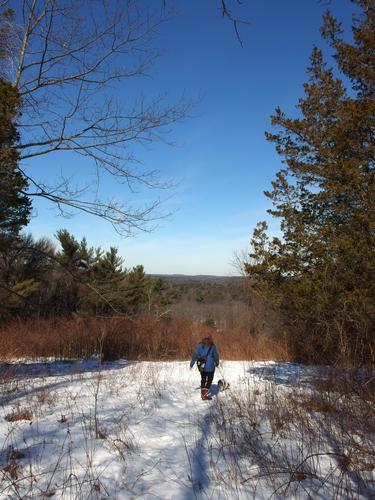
(124, 219)
(226, 12)
(71, 58)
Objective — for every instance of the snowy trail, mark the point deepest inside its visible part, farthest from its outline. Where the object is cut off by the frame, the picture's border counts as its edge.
(154, 422)
(171, 440)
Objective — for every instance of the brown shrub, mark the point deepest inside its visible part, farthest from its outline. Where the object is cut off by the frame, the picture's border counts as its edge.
(141, 338)
(19, 414)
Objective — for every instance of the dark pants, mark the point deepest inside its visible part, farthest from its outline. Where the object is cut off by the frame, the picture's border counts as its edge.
(206, 379)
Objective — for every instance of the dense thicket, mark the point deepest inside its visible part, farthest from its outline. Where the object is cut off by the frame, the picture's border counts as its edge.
(321, 271)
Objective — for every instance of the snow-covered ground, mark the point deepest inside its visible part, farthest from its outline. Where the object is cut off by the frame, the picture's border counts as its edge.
(139, 430)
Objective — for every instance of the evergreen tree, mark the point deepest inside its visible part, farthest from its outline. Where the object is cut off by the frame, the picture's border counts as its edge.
(69, 254)
(14, 204)
(77, 255)
(322, 271)
(89, 256)
(136, 294)
(107, 283)
(28, 278)
(70, 275)
(159, 295)
(110, 265)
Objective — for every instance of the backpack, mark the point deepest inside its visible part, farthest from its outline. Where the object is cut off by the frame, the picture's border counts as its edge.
(201, 361)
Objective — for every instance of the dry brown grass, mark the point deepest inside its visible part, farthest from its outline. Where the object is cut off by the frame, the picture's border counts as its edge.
(240, 345)
(18, 414)
(298, 443)
(142, 338)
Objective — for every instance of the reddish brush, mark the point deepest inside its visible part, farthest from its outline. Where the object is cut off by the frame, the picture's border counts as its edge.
(144, 337)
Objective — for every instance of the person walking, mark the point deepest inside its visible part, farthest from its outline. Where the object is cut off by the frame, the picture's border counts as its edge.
(207, 359)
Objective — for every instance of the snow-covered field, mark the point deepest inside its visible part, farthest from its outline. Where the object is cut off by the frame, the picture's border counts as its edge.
(139, 430)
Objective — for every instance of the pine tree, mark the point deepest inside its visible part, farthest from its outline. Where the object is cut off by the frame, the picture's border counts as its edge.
(107, 279)
(322, 270)
(69, 254)
(27, 277)
(137, 285)
(110, 265)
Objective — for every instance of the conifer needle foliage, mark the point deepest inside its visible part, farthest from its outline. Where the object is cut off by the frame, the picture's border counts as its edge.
(321, 271)
(15, 206)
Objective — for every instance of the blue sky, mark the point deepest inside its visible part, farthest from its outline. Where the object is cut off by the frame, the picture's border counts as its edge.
(221, 160)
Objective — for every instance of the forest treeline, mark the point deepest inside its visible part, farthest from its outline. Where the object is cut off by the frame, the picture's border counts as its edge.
(41, 280)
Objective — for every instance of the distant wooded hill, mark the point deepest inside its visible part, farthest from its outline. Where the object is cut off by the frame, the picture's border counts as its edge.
(198, 277)
(205, 288)
(222, 302)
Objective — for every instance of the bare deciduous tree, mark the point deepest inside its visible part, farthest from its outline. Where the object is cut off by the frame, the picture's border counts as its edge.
(67, 60)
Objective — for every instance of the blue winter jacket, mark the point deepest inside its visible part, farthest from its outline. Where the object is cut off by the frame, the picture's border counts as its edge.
(212, 360)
